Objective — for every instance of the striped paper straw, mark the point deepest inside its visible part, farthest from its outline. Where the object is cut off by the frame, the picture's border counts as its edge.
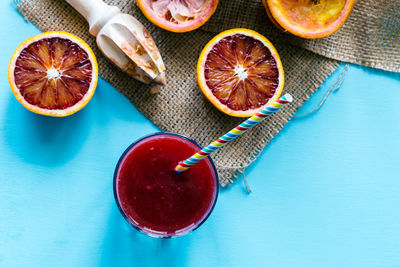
(238, 130)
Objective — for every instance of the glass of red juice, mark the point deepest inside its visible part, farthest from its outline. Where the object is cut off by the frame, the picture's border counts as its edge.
(156, 200)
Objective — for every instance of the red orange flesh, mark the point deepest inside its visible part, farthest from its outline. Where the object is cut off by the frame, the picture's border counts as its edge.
(240, 73)
(60, 58)
(53, 75)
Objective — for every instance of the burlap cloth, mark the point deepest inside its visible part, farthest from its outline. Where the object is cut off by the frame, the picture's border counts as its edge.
(370, 37)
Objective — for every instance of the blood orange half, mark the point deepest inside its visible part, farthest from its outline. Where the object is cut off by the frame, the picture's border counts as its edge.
(178, 15)
(309, 18)
(240, 72)
(53, 74)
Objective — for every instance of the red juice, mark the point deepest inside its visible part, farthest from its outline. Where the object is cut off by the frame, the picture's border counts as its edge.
(155, 199)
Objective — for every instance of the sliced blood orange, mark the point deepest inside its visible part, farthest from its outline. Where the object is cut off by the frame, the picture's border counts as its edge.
(240, 72)
(53, 74)
(309, 18)
(178, 15)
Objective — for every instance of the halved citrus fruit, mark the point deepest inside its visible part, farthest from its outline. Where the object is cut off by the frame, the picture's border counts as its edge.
(309, 18)
(53, 74)
(178, 15)
(240, 72)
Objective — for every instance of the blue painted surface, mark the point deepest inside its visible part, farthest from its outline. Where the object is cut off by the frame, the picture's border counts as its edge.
(326, 191)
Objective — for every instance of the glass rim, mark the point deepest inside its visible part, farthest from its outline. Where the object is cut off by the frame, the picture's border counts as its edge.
(157, 234)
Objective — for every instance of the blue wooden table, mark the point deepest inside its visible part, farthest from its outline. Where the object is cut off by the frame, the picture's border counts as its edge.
(326, 190)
